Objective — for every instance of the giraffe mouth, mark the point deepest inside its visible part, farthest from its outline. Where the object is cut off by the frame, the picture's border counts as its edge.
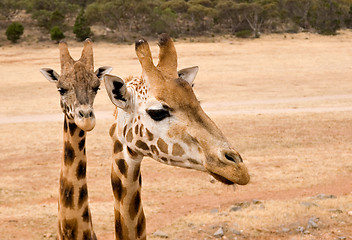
(221, 179)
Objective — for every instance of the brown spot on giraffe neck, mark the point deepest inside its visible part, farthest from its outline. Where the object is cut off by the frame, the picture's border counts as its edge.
(86, 215)
(81, 133)
(81, 170)
(65, 125)
(132, 153)
(124, 130)
(141, 130)
(136, 173)
(141, 225)
(121, 230)
(72, 127)
(177, 150)
(89, 235)
(142, 145)
(136, 129)
(149, 135)
(69, 229)
(112, 129)
(154, 150)
(162, 146)
(135, 205)
(66, 193)
(81, 144)
(129, 136)
(122, 165)
(83, 195)
(118, 189)
(118, 146)
(69, 154)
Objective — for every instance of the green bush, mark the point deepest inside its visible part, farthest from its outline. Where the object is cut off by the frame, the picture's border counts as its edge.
(243, 34)
(56, 34)
(47, 19)
(14, 31)
(81, 27)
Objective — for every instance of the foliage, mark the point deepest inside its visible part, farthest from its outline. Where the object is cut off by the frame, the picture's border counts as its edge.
(47, 19)
(184, 17)
(81, 28)
(56, 34)
(328, 15)
(8, 8)
(244, 34)
(14, 31)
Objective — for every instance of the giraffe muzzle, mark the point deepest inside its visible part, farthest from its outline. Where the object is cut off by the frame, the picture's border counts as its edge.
(85, 118)
(228, 168)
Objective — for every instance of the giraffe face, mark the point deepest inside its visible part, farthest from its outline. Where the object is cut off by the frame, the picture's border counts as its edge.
(160, 117)
(78, 86)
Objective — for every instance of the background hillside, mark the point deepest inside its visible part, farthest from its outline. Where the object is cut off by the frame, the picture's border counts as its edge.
(123, 20)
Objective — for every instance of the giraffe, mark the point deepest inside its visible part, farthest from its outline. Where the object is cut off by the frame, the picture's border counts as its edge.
(159, 116)
(78, 86)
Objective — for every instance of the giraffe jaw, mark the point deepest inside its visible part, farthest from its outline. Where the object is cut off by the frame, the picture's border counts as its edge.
(230, 175)
(221, 179)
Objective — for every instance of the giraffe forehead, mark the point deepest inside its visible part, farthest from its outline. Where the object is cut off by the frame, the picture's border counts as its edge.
(79, 78)
(177, 94)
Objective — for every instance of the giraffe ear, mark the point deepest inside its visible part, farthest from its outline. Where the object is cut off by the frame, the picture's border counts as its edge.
(188, 74)
(50, 74)
(117, 91)
(100, 72)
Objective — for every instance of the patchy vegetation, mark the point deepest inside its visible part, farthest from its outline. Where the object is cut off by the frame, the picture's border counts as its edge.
(120, 20)
(14, 31)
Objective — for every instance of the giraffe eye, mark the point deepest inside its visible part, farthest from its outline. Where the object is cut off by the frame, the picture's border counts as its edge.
(96, 89)
(158, 114)
(62, 91)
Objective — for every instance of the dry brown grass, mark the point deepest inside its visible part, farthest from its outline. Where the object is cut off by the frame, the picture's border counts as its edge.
(291, 156)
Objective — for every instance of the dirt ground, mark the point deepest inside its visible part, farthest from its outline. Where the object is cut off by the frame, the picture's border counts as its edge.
(283, 101)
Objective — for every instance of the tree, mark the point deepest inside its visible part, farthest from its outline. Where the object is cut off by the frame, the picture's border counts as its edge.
(14, 31)
(228, 11)
(258, 13)
(328, 15)
(56, 34)
(81, 28)
(200, 15)
(298, 11)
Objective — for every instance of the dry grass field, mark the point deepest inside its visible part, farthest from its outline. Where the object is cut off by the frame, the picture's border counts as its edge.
(283, 101)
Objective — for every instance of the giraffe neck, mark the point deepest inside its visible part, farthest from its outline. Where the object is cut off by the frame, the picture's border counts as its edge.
(126, 183)
(74, 218)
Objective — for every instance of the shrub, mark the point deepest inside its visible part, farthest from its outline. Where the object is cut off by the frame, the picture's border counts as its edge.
(47, 19)
(14, 31)
(244, 34)
(56, 34)
(81, 27)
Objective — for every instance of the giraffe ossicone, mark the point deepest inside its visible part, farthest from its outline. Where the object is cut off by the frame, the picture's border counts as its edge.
(78, 85)
(159, 116)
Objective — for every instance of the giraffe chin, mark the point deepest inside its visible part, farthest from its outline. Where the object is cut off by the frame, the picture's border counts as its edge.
(221, 179)
(86, 124)
(239, 175)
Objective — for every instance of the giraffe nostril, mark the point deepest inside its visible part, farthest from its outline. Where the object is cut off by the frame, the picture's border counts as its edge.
(81, 113)
(233, 157)
(91, 114)
(230, 158)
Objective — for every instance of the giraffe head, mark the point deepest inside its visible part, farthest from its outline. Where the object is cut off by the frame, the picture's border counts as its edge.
(160, 117)
(77, 84)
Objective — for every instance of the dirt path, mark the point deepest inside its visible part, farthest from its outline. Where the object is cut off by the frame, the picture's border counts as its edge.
(214, 108)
